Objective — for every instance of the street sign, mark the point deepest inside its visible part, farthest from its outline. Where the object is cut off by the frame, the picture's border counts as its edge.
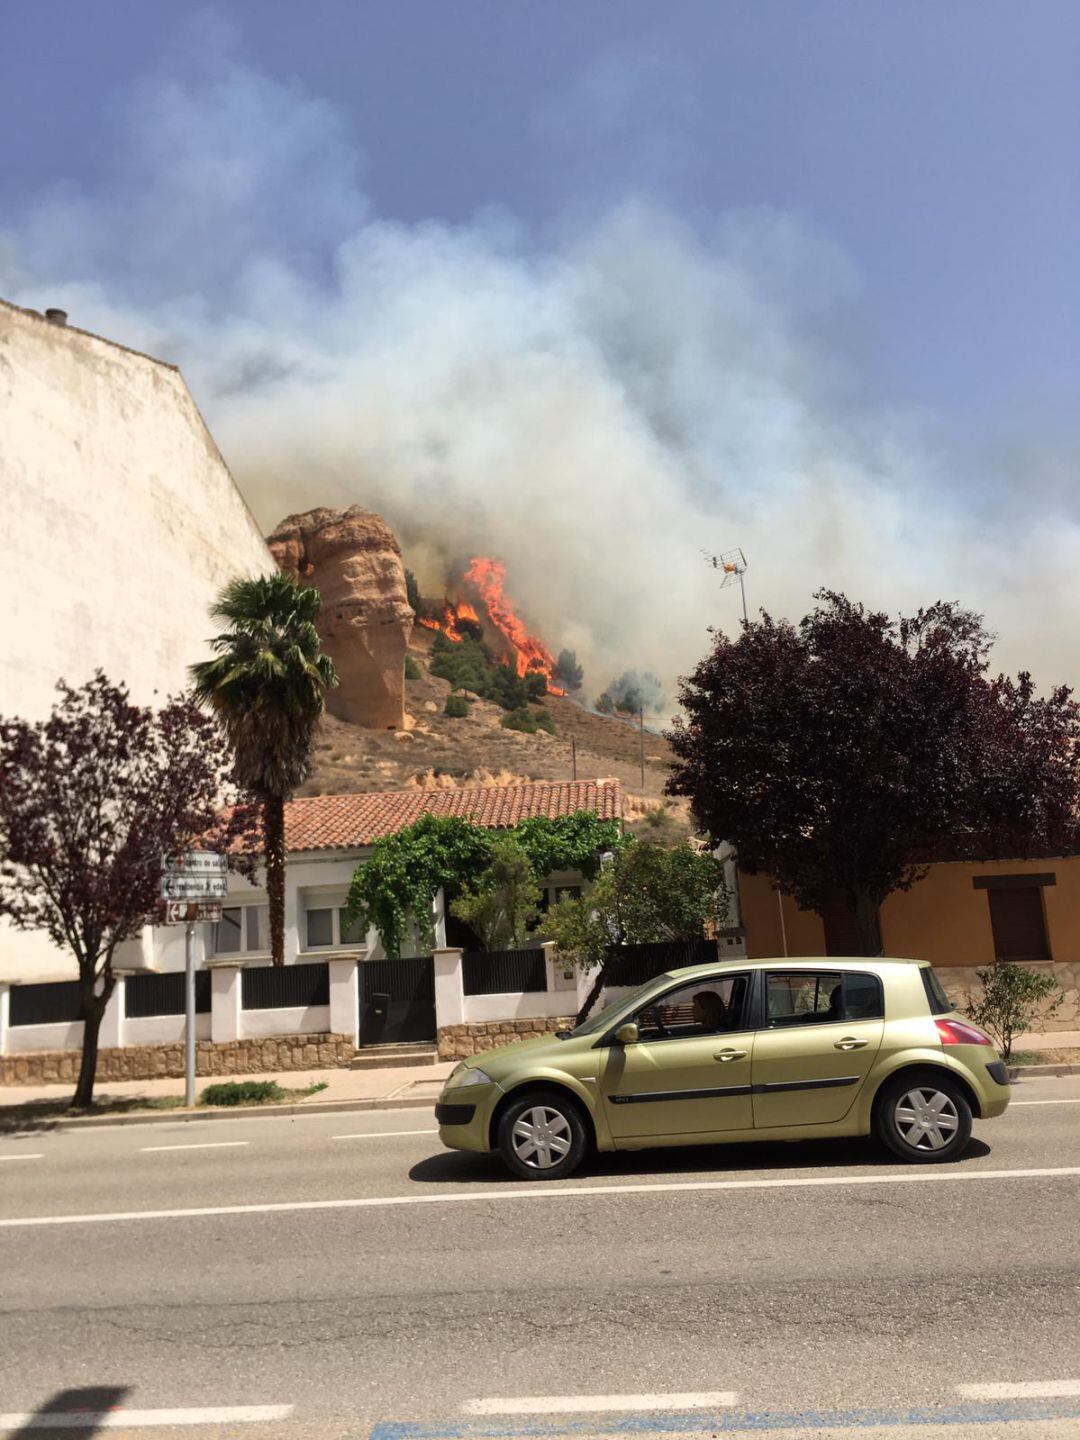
(181, 912)
(194, 887)
(195, 862)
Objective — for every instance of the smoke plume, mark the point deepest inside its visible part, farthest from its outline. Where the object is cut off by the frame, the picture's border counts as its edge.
(596, 405)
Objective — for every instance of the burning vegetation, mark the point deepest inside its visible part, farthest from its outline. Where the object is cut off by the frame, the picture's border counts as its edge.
(483, 613)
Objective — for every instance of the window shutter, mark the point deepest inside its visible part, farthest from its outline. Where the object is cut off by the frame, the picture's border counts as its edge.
(1016, 916)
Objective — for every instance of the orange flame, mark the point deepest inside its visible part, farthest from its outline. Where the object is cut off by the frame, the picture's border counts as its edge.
(528, 654)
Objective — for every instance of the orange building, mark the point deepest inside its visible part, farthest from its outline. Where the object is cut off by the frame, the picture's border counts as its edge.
(963, 916)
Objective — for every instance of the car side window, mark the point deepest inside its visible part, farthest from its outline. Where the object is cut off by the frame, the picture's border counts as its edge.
(704, 1007)
(815, 997)
(803, 997)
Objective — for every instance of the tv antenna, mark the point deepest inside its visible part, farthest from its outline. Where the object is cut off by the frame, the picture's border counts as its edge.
(732, 565)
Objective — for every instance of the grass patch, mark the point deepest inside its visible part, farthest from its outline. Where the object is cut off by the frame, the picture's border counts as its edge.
(255, 1092)
(1063, 1055)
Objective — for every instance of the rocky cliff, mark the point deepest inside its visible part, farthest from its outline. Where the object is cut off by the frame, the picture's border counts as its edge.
(352, 558)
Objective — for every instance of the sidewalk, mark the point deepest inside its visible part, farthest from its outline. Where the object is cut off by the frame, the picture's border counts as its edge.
(409, 1082)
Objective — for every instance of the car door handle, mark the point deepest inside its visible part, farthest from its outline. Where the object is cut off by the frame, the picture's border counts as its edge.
(849, 1043)
(730, 1055)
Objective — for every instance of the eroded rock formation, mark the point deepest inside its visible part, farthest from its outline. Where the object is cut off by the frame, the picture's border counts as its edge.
(352, 558)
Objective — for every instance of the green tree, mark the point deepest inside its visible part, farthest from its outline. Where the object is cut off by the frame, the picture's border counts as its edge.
(267, 682)
(645, 893)
(504, 903)
(412, 591)
(568, 673)
(1012, 998)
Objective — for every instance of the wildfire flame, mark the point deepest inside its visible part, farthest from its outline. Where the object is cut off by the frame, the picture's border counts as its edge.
(485, 578)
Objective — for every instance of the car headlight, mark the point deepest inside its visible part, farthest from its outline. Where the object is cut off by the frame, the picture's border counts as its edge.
(468, 1075)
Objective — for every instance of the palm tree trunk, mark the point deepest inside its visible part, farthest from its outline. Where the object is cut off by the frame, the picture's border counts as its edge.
(274, 837)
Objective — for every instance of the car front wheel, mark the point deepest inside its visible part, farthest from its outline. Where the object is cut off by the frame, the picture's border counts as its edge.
(542, 1136)
(924, 1119)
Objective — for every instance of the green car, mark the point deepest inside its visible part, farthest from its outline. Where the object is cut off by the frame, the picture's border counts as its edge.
(758, 1050)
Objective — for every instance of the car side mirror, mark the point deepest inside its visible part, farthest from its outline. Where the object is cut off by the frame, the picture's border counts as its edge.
(627, 1034)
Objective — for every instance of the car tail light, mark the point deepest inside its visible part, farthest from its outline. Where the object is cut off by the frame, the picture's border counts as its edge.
(955, 1032)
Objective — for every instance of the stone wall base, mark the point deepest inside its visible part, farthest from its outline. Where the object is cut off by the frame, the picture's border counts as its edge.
(458, 1042)
(160, 1062)
(961, 984)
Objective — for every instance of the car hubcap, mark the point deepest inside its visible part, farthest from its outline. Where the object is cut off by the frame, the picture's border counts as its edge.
(926, 1119)
(541, 1137)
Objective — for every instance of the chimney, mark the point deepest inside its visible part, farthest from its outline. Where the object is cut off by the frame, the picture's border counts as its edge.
(56, 317)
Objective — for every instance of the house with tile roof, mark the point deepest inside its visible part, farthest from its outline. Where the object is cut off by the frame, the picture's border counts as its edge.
(336, 981)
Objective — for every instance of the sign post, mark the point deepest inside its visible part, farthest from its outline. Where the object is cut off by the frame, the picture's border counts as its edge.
(185, 881)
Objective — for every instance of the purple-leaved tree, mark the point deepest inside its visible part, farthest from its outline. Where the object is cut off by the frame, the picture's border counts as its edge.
(841, 755)
(90, 800)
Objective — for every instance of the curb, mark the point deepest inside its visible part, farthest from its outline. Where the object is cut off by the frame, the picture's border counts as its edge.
(209, 1112)
(1036, 1072)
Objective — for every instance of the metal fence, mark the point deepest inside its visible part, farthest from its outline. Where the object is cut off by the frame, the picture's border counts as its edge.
(273, 987)
(45, 1004)
(149, 995)
(635, 964)
(503, 972)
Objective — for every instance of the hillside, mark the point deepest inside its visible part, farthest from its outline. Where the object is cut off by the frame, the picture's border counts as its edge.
(437, 751)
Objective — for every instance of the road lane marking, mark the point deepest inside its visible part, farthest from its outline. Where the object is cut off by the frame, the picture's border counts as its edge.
(39, 1156)
(596, 1404)
(122, 1418)
(382, 1134)
(199, 1145)
(1023, 1390)
(1015, 1104)
(536, 1192)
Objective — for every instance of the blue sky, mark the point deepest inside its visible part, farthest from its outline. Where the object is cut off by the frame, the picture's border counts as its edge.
(597, 286)
(936, 144)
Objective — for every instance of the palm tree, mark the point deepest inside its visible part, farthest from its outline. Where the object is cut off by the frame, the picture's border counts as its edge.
(267, 682)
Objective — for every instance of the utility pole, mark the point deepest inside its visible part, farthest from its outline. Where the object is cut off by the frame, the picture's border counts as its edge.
(573, 755)
(189, 1012)
(641, 742)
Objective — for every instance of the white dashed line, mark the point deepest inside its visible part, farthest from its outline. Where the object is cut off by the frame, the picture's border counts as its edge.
(22, 1157)
(1015, 1104)
(596, 1404)
(124, 1419)
(1022, 1390)
(200, 1145)
(496, 1196)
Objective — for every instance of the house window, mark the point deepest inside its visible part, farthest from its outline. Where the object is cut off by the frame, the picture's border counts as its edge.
(328, 927)
(242, 930)
(1018, 923)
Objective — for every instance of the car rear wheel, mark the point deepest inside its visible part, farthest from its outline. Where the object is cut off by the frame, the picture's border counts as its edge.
(924, 1119)
(542, 1136)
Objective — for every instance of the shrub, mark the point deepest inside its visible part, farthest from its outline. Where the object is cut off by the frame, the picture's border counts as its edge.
(412, 669)
(457, 707)
(242, 1092)
(1013, 997)
(529, 721)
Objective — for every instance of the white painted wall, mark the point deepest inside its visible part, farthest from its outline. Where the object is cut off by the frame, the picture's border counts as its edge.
(162, 1030)
(120, 524)
(295, 1020)
(518, 1007)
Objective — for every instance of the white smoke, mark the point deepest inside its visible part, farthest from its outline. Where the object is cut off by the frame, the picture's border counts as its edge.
(596, 406)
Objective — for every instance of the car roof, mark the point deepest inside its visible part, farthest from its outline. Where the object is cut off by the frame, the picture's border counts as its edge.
(796, 962)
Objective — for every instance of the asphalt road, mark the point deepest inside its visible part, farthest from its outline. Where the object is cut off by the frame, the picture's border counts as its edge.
(345, 1276)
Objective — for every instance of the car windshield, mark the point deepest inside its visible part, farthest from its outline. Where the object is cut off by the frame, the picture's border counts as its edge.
(603, 1018)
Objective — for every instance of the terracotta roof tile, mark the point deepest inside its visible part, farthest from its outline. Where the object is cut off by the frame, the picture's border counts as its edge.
(333, 822)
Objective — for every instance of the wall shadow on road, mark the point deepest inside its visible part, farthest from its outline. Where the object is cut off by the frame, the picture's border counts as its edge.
(87, 1403)
(458, 1167)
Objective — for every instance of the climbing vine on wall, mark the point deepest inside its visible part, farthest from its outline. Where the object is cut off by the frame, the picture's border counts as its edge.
(400, 880)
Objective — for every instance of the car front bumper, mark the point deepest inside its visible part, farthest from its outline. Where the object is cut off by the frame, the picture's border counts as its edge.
(463, 1115)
